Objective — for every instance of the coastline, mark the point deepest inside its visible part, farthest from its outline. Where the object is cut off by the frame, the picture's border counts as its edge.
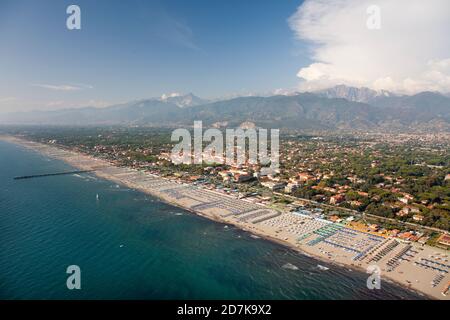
(84, 162)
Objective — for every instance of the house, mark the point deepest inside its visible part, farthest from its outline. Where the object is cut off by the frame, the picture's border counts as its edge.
(406, 235)
(418, 217)
(355, 203)
(408, 210)
(407, 198)
(363, 194)
(402, 213)
(376, 197)
(337, 199)
(305, 176)
(403, 199)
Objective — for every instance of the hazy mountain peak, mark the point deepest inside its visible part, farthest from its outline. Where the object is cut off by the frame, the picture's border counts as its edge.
(167, 96)
(362, 94)
(187, 100)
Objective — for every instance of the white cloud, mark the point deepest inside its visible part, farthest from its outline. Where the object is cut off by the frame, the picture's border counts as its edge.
(408, 54)
(63, 87)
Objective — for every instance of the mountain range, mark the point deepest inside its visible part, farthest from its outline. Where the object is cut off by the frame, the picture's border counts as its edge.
(340, 107)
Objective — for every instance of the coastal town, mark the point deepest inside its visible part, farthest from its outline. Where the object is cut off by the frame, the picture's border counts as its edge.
(324, 201)
(397, 185)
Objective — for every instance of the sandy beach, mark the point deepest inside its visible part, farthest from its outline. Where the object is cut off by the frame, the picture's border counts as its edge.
(420, 268)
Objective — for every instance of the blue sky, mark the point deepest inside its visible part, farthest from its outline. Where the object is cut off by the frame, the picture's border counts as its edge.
(129, 50)
(135, 49)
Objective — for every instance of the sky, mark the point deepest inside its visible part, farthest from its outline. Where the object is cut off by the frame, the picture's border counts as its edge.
(136, 49)
(408, 52)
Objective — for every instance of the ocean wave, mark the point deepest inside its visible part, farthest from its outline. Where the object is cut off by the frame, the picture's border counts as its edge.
(320, 267)
(290, 266)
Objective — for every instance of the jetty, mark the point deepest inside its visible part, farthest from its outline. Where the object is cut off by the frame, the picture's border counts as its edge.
(51, 174)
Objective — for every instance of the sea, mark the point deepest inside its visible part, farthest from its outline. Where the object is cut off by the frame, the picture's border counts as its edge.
(129, 245)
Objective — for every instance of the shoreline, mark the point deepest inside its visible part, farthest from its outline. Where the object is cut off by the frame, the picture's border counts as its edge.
(82, 161)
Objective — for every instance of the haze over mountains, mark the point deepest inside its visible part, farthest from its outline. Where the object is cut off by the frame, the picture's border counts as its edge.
(340, 107)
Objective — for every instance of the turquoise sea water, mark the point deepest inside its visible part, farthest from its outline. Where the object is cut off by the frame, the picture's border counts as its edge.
(132, 246)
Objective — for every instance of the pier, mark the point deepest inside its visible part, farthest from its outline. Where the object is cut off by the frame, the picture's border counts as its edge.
(51, 174)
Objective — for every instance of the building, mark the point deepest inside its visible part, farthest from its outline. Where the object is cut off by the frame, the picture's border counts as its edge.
(403, 199)
(406, 235)
(444, 239)
(402, 213)
(242, 176)
(406, 210)
(273, 185)
(407, 198)
(355, 203)
(417, 217)
(305, 176)
(337, 199)
(328, 189)
(423, 240)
